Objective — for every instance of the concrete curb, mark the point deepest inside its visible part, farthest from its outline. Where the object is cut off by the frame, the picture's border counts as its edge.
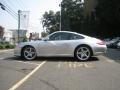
(6, 50)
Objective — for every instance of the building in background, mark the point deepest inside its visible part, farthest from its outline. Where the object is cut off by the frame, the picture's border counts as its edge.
(7, 37)
(22, 35)
(89, 7)
(11, 36)
(1, 33)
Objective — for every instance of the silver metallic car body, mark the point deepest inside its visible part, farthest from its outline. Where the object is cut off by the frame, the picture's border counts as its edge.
(61, 47)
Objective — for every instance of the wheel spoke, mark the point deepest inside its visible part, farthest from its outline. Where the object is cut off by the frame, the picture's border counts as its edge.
(79, 53)
(82, 49)
(82, 56)
(30, 55)
(30, 49)
(27, 55)
(86, 55)
(27, 52)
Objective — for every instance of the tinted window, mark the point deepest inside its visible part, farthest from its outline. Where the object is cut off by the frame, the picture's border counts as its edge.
(60, 36)
(76, 37)
(54, 36)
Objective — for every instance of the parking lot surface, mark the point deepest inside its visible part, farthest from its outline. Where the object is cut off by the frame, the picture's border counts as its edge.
(98, 73)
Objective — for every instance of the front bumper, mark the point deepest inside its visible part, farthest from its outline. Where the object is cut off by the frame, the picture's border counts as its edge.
(17, 51)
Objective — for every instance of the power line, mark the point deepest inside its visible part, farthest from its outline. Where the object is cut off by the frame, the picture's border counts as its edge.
(7, 6)
(20, 3)
(12, 4)
(23, 4)
(12, 14)
(9, 10)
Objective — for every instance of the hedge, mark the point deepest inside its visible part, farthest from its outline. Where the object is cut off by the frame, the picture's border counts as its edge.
(6, 45)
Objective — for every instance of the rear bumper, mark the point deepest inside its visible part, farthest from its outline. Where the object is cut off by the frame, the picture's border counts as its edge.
(99, 50)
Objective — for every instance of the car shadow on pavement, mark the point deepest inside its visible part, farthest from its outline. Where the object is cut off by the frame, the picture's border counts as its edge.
(53, 59)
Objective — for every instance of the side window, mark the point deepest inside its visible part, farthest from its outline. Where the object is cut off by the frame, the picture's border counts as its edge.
(59, 36)
(55, 36)
(64, 36)
(76, 37)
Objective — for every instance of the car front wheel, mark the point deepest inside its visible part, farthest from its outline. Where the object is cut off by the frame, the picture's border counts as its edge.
(29, 53)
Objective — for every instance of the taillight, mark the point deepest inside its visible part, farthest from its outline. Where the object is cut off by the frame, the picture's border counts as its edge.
(100, 42)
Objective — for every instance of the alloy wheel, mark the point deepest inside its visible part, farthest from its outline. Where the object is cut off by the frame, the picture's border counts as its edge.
(29, 53)
(83, 53)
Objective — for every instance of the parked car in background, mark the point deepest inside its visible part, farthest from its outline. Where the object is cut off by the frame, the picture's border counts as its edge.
(112, 43)
(107, 41)
(118, 45)
(62, 44)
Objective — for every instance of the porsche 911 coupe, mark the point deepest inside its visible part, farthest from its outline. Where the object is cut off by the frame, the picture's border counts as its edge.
(62, 44)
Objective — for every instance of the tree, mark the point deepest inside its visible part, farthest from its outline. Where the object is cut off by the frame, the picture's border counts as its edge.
(108, 17)
(44, 34)
(51, 21)
(72, 15)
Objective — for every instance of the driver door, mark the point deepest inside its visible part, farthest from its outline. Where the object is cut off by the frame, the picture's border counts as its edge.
(57, 45)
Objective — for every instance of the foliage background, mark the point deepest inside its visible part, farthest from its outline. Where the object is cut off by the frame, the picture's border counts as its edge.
(102, 23)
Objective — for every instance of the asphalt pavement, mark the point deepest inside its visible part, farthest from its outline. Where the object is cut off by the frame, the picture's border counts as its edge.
(99, 73)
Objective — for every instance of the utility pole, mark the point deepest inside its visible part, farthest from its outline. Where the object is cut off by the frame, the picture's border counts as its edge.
(19, 11)
(60, 15)
(60, 5)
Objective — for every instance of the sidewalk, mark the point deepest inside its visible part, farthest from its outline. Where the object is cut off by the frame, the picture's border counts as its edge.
(5, 50)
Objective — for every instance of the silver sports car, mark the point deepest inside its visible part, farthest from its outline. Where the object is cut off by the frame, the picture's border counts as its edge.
(62, 44)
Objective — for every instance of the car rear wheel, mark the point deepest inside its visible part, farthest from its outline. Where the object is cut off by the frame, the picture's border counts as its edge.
(83, 53)
(29, 53)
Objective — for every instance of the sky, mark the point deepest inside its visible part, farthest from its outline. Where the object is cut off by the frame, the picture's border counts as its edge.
(35, 7)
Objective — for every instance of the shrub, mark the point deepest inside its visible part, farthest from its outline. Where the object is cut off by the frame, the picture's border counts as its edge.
(12, 46)
(2, 46)
(6, 45)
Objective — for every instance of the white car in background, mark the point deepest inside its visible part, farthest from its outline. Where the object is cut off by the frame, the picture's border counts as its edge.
(112, 43)
(62, 44)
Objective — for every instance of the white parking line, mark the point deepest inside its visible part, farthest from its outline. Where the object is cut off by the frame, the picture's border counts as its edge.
(19, 83)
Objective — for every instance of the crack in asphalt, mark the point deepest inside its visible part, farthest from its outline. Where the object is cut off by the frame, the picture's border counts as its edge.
(49, 84)
(24, 70)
